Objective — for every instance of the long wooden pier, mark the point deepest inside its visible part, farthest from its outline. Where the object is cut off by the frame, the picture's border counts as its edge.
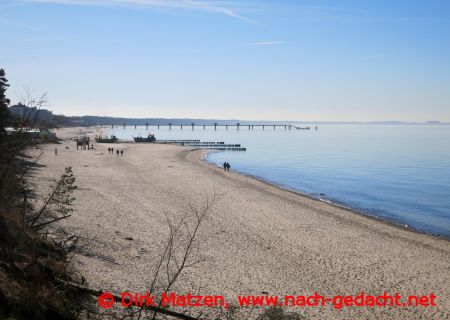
(192, 126)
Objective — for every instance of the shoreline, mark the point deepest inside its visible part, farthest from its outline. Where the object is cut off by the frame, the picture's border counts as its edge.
(203, 161)
(361, 212)
(261, 238)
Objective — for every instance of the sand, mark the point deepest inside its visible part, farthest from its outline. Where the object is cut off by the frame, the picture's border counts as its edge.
(259, 237)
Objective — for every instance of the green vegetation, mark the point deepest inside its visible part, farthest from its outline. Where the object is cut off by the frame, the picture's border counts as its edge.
(4, 102)
(33, 269)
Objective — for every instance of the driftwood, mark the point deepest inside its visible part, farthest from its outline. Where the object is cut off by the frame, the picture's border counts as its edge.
(69, 244)
(98, 292)
(40, 225)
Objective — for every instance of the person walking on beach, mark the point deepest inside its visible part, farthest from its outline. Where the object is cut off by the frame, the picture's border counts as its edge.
(117, 152)
(121, 153)
(109, 150)
(112, 150)
(225, 166)
(228, 166)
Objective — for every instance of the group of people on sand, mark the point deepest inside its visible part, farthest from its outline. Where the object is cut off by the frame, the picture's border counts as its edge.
(111, 151)
(226, 166)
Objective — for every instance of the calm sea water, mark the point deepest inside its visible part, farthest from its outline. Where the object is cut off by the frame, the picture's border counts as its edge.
(400, 173)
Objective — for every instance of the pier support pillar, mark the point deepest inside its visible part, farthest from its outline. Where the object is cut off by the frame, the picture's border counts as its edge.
(203, 127)
(146, 126)
(263, 127)
(226, 127)
(273, 127)
(112, 126)
(192, 124)
(135, 126)
(215, 126)
(124, 125)
(170, 126)
(181, 126)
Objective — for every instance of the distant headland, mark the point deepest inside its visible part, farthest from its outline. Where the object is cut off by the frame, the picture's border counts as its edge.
(50, 119)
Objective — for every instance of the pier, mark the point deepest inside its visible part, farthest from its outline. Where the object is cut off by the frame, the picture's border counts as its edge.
(192, 126)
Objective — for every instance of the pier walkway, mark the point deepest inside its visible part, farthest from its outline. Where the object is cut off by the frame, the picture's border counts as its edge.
(215, 126)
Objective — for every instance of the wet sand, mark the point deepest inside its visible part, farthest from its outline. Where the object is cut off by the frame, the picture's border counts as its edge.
(259, 238)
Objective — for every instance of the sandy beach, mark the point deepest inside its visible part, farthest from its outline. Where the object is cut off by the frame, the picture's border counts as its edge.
(259, 238)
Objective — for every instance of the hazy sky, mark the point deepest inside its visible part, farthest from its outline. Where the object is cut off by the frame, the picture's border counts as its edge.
(248, 59)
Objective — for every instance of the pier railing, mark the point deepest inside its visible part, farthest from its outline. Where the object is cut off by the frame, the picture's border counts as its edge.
(215, 126)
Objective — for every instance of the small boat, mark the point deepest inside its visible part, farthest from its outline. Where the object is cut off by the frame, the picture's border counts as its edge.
(150, 138)
(113, 139)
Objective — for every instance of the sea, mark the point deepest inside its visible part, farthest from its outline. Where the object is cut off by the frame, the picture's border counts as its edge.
(399, 173)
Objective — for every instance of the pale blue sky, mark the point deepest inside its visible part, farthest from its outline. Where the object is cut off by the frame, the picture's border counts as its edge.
(324, 60)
